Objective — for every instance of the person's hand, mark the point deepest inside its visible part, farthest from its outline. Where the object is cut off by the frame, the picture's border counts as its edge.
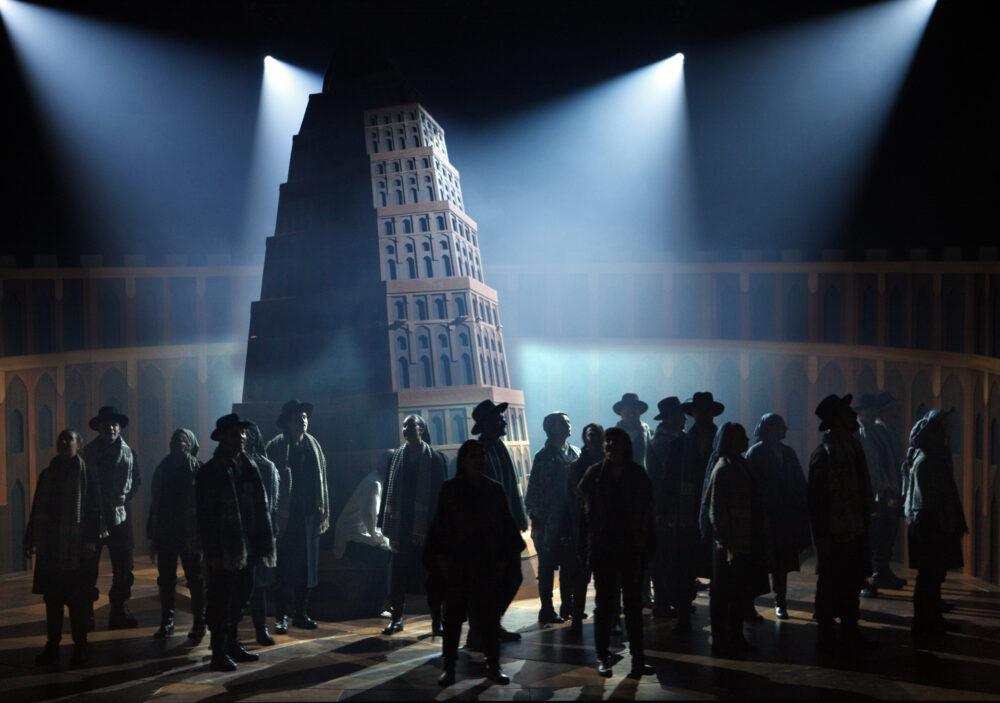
(120, 500)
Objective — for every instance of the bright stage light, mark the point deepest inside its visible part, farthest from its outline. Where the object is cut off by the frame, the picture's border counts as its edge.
(668, 71)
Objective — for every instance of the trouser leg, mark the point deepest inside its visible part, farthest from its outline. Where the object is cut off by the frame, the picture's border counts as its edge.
(53, 619)
(220, 585)
(242, 587)
(546, 571)
(166, 566)
(195, 577)
(606, 594)
(301, 600)
(779, 582)
(486, 600)
(397, 582)
(258, 607)
(633, 578)
(824, 602)
(78, 617)
(456, 604)
(120, 549)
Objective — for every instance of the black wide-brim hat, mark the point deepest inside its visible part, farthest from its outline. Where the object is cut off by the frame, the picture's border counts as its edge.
(107, 413)
(701, 400)
(868, 401)
(831, 407)
(290, 408)
(226, 423)
(885, 399)
(484, 410)
(667, 407)
(630, 399)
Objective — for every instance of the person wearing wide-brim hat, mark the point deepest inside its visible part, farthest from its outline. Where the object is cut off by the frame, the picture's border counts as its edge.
(114, 464)
(630, 408)
(883, 466)
(303, 512)
(841, 506)
(491, 426)
(672, 420)
(234, 527)
(678, 504)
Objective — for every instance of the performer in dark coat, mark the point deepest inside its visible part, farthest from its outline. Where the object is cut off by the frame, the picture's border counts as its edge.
(63, 532)
(841, 506)
(883, 465)
(114, 465)
(687, 554)
(782, 483)
(935, 521)
(630, 409)
(234, 526)
(739, 530)
(416, 473)
(672, 421)
(264, 576)
(491, 426)
(574, 569)
(303, 510)
(173, 531)
(545, 502)
(473, 541)
(617, 539)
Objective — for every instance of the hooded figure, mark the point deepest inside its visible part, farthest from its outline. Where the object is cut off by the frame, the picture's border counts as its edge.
(173, 531)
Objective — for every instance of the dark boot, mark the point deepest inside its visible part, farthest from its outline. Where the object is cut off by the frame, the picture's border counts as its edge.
(853, 638)
(220, 657)
(447, 677)
(495, 674)
(395, 622)
(302, 619)
(166, 625)
(826, 638)
(437, 629)
(49, 655)
(263, 636)
(120, 618)
(197, 632)
(683, 626)
(281, 625)
(235, 650)
(80, 655)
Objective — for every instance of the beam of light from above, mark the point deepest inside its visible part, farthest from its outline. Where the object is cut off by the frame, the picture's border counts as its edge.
(284, 93)
(602, 173)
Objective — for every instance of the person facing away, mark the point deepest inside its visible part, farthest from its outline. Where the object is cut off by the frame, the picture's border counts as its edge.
(841, 506)
(630, 409)
(416, 473)
(63, 532)
(883, 467)
(935, 522)
(234, 526)
(739, 532)
(173, 532)
(472, 542)
(114, 465)
(304, 513)
(264, 576)
(687, 554)
(574, 570)
(617, 539)
(782, 483)
(545, 501)
(672, 421)
(491, 426)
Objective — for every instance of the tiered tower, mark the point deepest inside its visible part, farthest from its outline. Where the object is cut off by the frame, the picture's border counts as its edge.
(372, 301)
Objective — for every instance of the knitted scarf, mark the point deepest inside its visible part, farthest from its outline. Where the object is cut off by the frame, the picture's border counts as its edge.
(113, 463)
(233, 533)
(421, 501)
(277, 451)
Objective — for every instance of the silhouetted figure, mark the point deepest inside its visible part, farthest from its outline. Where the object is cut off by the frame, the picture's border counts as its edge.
(617, 539)
(234, 526)
(574, 570)
(935, 521)
(491, 426)
(173, 532)
(672, 421)
(687, 554)
(473, 542)
(739, 531)
(304, 513)
(883, 466)
(841, 506)
(416, 473)
(545, 501)
(630, 409)
(782, 485)
(265, 577)
(113, 463)
(63, 532)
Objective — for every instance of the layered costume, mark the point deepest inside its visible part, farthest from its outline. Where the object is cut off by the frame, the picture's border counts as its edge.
(574, 575)
(264, 576)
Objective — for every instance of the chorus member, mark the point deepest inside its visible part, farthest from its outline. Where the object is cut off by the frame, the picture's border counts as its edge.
(672, 421)
(575, 569)
(265, 577)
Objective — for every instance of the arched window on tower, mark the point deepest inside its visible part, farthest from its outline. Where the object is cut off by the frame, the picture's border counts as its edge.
(387, 144)
(399, 197)
(430, 193)
(428, 267)
(390, 267)
(413, 196)
(440, 309)
(482, 367)
(440, 222)
(425, 163)
(470, 377)
(421, 310)
(407, 226)
(381, 200)
(445, 370)
(379, 169)
(400, 307)
(426, 373)
(446, 260)
(411, 267)
(388, 227)
(425, 224)
(403, 367)
(460, 305)
(443, 341)
(401, 343)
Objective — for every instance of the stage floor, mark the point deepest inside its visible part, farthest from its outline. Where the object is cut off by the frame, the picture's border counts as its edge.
(352, 661)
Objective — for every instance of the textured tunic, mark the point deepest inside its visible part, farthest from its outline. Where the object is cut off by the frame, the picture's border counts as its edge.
(546, 498)
(783, 490)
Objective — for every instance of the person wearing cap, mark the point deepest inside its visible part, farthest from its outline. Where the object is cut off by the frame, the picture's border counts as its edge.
(114, 464)
(782, 483)
(617, 539)
(935, 522)
(173, 531)
(416, 472)
(304, 512)
(545, 502)
(678, 505)
(630, 409)
(672, 421)
(575, 570)
(491, 426)
(883, 466)
(841, 506)
(264, 577)
(234, 526)
(63, 532)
